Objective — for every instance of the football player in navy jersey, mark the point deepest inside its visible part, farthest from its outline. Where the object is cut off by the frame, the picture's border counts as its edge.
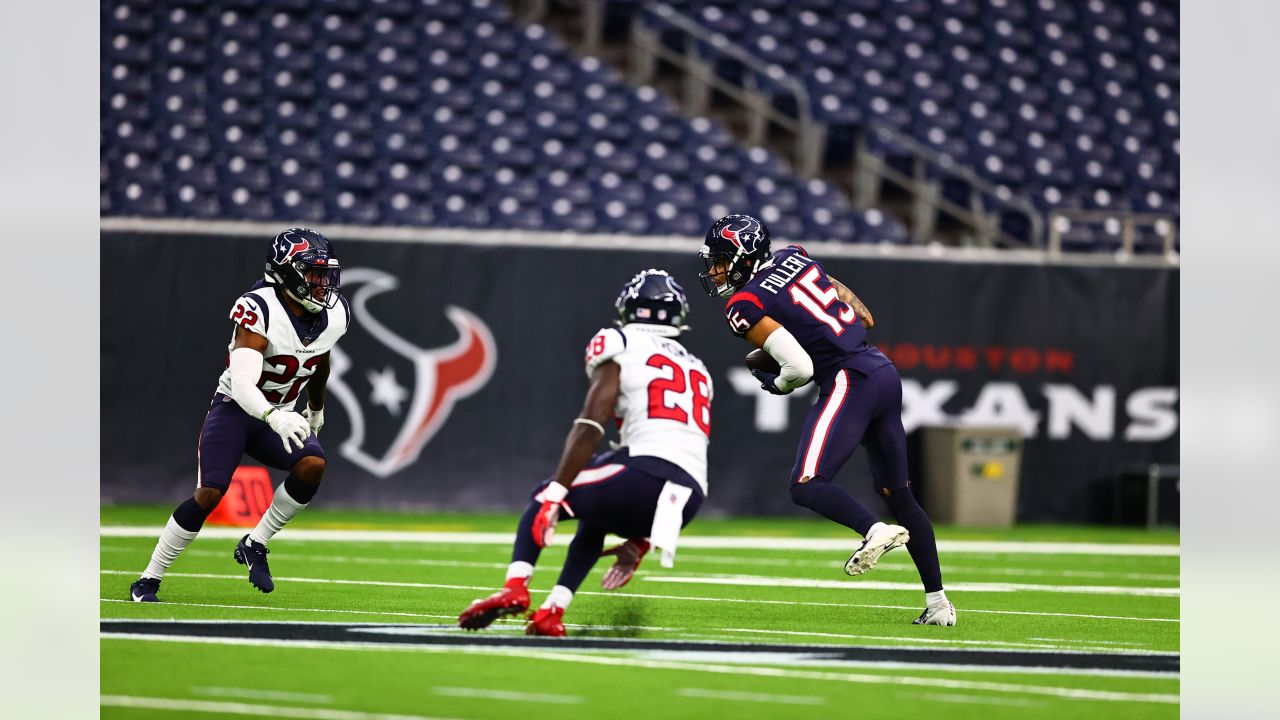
(816, 329)
(284, 328)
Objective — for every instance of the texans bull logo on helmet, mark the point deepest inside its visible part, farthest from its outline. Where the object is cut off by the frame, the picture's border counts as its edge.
(396, 394)
(287, 245)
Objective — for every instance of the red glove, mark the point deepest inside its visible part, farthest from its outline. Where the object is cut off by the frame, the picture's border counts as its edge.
(629, 554)
(544, 523)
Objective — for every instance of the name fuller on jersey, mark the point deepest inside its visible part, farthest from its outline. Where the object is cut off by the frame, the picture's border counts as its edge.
(785, 271)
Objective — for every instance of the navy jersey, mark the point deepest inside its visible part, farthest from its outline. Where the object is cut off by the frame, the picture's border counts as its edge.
(796, 292)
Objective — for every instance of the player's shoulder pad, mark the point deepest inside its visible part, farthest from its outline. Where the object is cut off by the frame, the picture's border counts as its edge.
(252, 312)
(606, 344)
(744, 309)
(797, 249)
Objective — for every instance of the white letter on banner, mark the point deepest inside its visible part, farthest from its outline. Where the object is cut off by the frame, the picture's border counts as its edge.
(772, 411)
(922, 405)
(1068, 406)
(1153, 416)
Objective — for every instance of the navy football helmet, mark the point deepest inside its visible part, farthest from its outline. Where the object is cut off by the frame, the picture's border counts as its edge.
(302, 262)
(741, 240)
(655, 300)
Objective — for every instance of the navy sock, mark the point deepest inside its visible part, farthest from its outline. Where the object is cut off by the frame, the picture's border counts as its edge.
(525, 549)
(300, 490)
(834, 503)
(190, 516)
(922, 545)
(583, 553)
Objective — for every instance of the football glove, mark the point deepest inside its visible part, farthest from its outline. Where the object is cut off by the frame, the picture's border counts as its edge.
(290, 426)
(552, 498)
(315, 418)
(768, 382)
(628, 556)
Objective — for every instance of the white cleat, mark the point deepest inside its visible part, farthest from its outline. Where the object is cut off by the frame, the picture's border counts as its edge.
(878, 542)
(944, 614)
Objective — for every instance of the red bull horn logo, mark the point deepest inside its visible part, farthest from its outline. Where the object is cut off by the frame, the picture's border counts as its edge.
(387, 439)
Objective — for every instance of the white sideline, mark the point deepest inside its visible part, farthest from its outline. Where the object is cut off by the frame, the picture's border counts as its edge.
(742, 581)
(730, 542)
(632, 662)
(235, 708)
(760, 581)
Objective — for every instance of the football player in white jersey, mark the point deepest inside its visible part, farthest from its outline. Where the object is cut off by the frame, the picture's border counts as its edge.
(645, 489)
(285, 327)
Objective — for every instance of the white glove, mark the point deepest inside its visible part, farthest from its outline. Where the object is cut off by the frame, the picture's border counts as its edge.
(290, 426)
(315, 417)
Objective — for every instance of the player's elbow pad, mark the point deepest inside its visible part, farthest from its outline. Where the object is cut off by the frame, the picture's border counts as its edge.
(797, 366)
(245, 366)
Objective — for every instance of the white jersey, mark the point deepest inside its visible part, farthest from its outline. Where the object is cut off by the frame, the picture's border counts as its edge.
(664, 396)
(294, 345)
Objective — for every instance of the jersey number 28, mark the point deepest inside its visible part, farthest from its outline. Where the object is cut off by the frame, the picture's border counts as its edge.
(696, 384)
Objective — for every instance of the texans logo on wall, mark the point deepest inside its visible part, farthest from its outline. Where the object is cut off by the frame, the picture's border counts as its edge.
(397, 398)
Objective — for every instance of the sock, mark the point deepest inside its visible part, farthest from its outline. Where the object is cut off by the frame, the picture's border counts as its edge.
(583, 553)
(190, 516)
(283, 507)
(173, 540)
(833, 502)
(934, 599)
(519, 569)
(560, 597)
(922, 546)
(525, 549)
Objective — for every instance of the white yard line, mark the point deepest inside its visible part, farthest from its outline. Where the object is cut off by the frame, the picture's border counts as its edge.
(233, 708)
(953, 569)
(486, 694)
(650, 596)
(978, 700)
(210, 691)
(691, 542)
(704, 694)
(863, 585)
(632, 662)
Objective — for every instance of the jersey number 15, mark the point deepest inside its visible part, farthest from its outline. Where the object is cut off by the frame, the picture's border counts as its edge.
(806, 293)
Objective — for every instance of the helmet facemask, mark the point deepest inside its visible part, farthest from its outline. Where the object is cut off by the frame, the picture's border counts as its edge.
(735, 276)
(315, 286)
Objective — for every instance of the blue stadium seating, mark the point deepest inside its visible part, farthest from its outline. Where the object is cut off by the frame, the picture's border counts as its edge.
(1069, 103)
(431, 113)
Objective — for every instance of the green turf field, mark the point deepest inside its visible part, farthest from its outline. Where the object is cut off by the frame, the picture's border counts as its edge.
(391, 586)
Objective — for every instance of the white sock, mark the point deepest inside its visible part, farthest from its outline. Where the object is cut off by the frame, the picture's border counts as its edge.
(560, 597)
(281, 511)
(173, 540)
(519, 569)
(934, 599)
(871, 531)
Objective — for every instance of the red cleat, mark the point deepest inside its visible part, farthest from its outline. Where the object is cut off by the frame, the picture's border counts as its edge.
(548, 622)
(512, 599)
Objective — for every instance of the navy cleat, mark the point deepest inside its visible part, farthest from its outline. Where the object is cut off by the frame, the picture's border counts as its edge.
(144, 589)
(254, 556)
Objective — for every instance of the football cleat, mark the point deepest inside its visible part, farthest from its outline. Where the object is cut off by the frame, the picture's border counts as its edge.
(628, 554)
(548, 622)
(878, 542)
(512, 599)
(144, 589)
(944, 614)
(254, 556)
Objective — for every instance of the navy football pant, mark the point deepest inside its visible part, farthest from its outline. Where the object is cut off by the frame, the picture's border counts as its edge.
(615, 493)
(229, 433)
(855, 409)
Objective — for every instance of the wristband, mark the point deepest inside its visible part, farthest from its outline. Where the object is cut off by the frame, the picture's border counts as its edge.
(268, 412)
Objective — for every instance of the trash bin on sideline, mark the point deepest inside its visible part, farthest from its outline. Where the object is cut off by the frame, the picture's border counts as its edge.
(971, 474)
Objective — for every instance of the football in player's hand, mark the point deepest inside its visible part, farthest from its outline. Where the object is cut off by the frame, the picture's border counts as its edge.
(761, 360)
